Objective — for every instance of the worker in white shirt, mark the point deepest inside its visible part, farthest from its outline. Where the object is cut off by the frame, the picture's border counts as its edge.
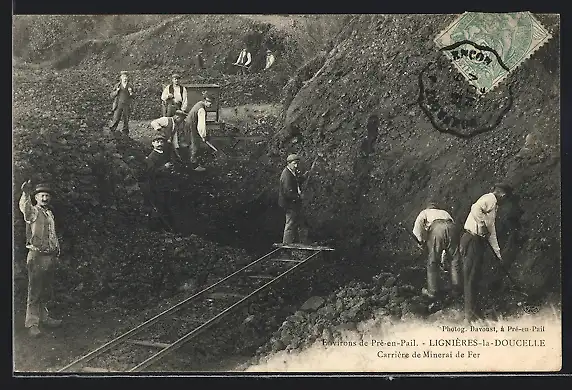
(269, 59)
(244, 59)
(434, 228)
(174, 97)
(195, 127)
(479, 233)
(173, 127)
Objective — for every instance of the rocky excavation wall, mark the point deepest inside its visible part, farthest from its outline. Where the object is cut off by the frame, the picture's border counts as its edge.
(377, 176)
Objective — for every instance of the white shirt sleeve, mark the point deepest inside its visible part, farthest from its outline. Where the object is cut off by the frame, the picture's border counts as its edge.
(202, 122)
(419, 227)
(249, 58)
(165, 93)
(185, 102)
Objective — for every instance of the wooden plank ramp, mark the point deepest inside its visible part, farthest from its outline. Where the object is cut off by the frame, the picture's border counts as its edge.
(303, 247)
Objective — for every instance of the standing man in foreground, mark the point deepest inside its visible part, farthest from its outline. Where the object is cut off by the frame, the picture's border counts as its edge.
(195, 128)
(122, 97)
(479, 233)
(290, 199)
(435, 229)
(43, 248)
(174, 97)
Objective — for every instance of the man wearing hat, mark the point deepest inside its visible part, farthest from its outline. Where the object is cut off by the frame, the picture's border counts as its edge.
(172, 127)
(159, 175)
(434, 228)
(122, 96)
(290, 199)
(269, 59)
(196, 129)
(43, 248)
(174, 97)
(479, 233)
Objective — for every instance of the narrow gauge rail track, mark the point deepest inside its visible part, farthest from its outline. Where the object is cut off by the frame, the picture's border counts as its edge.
(164, 333)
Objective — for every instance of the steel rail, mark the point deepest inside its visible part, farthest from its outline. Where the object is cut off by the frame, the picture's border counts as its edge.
(107, 346)
(177, 344)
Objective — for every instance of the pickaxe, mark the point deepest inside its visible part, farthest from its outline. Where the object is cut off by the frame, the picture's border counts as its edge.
(515, 286)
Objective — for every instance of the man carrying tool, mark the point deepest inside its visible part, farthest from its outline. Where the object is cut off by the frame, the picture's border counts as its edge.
(174, 97)
(244, 59)
(122, 95)
(172, 127)
(43, 250)
(290, 199)
(479, 233)
(434, 228)
(196, 127)
(159, 177)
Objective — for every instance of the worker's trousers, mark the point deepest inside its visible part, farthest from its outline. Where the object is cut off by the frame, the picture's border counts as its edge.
(471, 249)
(295, 221)
(40, 284)
(441, 240)
(122, 111)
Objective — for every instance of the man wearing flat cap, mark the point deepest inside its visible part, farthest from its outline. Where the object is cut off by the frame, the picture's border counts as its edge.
(174, 97)
(196, 129)
(122, 96)
(290, 199)
(479, 232)
(159, 181)
(43, 248)
(172, 127)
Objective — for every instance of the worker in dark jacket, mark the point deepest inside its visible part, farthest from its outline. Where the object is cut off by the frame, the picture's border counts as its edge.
(159, 176)
(196, 130)
(122, 95)
(290, 199)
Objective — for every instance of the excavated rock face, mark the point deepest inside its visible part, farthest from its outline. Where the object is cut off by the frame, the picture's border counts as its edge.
(384, 158)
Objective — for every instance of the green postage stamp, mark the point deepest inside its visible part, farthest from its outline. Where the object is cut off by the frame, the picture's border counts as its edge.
(486, 47)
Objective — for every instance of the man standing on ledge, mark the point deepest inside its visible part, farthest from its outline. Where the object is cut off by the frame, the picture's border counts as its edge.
(479, 232)
(174, 97)
(290, 199)
(434, 228)
(43, 248)
(122, 97)
(195, 127)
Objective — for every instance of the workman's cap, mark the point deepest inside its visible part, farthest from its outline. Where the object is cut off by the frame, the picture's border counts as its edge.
(42, 188)
(432, 205)
(176, 76)
(269, 51)
(292, 157)
(181, 113)
(159, 135)
(505, 187)
(124, 72)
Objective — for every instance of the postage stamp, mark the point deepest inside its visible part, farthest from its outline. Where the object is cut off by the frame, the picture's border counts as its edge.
(486, 47)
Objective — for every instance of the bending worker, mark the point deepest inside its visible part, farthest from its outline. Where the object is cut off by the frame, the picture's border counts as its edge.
(435, 229)
(480, 232)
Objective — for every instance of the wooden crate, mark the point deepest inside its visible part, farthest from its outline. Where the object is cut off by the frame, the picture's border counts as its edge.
(194, 94)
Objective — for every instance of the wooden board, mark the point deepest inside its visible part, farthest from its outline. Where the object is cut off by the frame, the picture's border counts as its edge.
(151, 344)
(303, 247)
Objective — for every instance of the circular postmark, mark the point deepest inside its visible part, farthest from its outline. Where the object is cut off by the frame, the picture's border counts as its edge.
(454, 106)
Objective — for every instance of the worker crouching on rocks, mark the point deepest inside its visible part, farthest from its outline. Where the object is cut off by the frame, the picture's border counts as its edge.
(435, 229)
(173, 128)
(196, 130)
(479, 233)
(290, 199)
(43, 250)
(159, 177)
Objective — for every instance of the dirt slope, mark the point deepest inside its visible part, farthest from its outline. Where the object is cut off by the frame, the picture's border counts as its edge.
(373, 180)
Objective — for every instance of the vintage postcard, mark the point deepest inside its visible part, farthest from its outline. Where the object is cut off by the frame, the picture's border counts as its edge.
(287, 193)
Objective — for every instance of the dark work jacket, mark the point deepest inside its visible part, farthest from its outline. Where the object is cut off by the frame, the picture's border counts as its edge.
(288, 196)
(122, 98)
(157, 174)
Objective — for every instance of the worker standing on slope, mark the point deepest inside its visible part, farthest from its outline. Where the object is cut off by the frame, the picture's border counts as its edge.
(290, 200)
(122, 95)
(196, 129)
(244, 59)
(435, 228)
(174, 97)
(479, 228)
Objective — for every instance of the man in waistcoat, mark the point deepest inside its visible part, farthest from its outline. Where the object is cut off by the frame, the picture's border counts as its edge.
(244, 60)
(173, 128)
(196, 130)
(43, 250)
(174, 97)
(122, 95)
